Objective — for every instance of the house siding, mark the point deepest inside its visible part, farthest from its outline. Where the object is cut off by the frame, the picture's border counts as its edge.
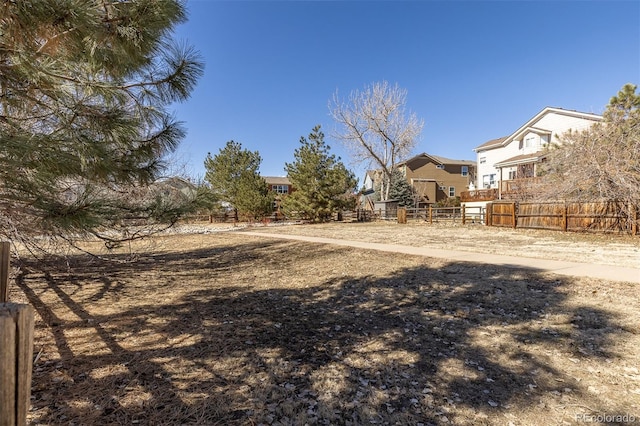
(423, 168)
(547, 128)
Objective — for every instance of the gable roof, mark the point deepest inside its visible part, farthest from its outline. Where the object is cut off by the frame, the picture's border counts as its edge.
(439, 160)
(521, 159)
(490, 144)
(277, 180)
(530, 126)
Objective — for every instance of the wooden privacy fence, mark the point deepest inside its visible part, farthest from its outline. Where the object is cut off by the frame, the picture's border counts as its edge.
(606, 216)
(16, 351)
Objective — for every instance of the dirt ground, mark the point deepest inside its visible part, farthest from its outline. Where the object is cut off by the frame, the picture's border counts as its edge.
(603, 249)
(224, 328)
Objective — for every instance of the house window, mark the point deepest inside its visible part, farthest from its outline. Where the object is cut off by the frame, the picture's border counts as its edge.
(489, 181)
(452, 191)
(512, 174)
(440, 166)
(280, 189)
(530, 141)
(482, 160)
(465, 171)
(442, 188)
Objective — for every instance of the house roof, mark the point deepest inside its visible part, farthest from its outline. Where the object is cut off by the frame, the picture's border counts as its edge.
(521, 159)
(530, 126)
(439, 160)
(277, 180)
(490, 144)
(176, 182)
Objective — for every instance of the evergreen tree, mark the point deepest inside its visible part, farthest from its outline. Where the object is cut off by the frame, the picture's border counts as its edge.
(322, 182)
(84, 127)
(234, 177)
(401, 190)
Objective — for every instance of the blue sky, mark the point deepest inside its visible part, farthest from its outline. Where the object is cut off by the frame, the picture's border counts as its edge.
(473, 70)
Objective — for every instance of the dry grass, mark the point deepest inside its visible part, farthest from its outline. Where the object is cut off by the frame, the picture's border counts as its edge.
(232, 329)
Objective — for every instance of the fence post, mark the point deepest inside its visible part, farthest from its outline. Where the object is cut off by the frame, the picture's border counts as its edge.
(4, 271)
(488, 220)
(430, 215)
(565, 212)
(633, 218)
(402, 215)
(16, 341)
(514, 217)
(463, 210)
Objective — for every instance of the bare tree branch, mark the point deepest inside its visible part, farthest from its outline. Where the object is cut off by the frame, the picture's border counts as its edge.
(375, 128)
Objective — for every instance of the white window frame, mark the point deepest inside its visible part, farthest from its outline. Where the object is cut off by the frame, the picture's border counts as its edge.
(280, 189)
(464, 171)
(452, 191)
(489, 181)
(531, 141)
(440, 166)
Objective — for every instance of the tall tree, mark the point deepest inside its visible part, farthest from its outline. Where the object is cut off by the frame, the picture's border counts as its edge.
(84, 87)
(602, 162)
(374, 126)
(322, 182)
(234, 177)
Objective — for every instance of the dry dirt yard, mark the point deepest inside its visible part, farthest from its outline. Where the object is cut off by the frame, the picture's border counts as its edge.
(225, 328)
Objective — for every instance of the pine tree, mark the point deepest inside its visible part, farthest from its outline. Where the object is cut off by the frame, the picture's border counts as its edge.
(401, 190)
(323, 184)
(84, 128)
(234, 177)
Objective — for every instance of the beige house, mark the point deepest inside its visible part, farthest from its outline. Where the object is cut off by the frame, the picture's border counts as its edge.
(506, 163)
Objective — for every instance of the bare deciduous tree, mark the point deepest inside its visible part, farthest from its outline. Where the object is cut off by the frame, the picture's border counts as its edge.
(602, 162)
(375, 128)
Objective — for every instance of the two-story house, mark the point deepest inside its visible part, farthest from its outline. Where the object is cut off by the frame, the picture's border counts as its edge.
(280, 186)
(506, 163)
(434, 178)
(437, 178)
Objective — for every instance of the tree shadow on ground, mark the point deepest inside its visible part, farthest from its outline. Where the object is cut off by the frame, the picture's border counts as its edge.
(421, 342)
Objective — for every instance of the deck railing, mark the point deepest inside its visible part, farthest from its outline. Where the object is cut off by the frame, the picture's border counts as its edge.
(488, 194)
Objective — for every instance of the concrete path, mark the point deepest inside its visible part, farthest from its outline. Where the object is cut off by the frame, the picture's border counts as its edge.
(606, 272)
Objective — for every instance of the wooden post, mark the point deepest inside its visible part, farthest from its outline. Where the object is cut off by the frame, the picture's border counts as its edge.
(564, 217)
(402, 215)
(463, 209)
(430, 215)
(488, 221)
(633, 219)
(16, 343)
(4, 271)
(513, 214)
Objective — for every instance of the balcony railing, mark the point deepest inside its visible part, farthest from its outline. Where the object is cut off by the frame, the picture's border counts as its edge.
(479, 195)
(518, 188)
(509, 189)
